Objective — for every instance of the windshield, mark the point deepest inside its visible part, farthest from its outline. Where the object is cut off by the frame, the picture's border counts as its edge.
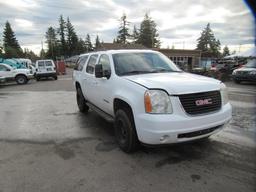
(143, 62)
(251, 64)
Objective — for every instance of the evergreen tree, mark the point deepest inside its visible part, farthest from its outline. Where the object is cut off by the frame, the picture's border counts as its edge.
(10, 43)
(225, 51)
(135, 35)
(61, 32)
(97, 42)
(1, 50)
(51, 40)
(30, 55)
(88, 43)
(148, 35)
(123, 33)
(208, 43)
(81, 47)
(72, 39)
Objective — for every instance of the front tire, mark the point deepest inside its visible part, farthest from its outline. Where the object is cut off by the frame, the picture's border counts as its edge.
(21, 79)
(81, 101)
(125, 130)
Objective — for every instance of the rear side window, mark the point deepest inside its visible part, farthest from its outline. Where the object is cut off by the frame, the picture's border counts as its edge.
(81, 62)
(91, 64)
(48, 63)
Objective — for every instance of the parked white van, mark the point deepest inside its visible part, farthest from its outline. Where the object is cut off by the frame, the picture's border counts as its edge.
(45, 68)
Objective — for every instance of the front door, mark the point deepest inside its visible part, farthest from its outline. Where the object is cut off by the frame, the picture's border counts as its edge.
(104, 86)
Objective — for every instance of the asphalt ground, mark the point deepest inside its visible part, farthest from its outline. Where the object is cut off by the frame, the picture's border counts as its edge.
(47, 145)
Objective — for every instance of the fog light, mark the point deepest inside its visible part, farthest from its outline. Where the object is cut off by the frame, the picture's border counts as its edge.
(164, 138)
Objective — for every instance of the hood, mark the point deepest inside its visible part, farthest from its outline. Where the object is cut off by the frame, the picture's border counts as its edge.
(176, 83)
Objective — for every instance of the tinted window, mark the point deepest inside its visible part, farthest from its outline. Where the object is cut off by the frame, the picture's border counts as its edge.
(81, 62)
(40, 63)
(91, 64)
(104, 61)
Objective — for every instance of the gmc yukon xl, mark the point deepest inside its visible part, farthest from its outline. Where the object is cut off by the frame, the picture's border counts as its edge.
(149, 99)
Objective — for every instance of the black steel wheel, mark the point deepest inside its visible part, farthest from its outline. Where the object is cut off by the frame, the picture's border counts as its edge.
(125, 131)
(21, 79)
(81, 103)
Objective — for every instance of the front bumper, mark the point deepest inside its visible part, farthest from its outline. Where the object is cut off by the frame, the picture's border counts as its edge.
(154, 129)
(30, 76)
(244, 77)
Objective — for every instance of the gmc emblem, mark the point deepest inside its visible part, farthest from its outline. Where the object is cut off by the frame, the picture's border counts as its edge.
(201, 102)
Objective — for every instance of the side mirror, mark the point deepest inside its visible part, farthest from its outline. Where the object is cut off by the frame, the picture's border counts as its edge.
(8, 69)
(98, 71)
(107, 73)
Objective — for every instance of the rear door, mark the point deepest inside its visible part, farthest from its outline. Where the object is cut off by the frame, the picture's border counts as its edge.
(89, 80)
(77, 73)
(41, 67)
(49, 66)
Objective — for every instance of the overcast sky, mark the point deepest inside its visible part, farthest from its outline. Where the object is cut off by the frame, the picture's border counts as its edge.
(179, 22)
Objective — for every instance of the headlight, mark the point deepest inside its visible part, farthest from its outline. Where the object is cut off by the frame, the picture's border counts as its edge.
(224, 94)
(252, 73)
(234, 72)
(157, 101)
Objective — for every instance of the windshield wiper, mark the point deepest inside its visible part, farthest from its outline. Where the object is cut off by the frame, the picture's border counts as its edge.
(135, 72)
(162, 70)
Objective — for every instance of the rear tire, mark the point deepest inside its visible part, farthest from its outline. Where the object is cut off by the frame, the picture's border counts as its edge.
(55, 77)
(38, 78)
(125, 130)
(81, 103)
(21, 79)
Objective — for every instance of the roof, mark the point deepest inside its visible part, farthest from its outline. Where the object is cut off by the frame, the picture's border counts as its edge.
(249, 53)
(115, 46)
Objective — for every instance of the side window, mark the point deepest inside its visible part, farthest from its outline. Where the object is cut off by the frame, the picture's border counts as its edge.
(91, 64)
(48, 63)
(3, 68)
(40, 63)
(104, 61)
(81, 62)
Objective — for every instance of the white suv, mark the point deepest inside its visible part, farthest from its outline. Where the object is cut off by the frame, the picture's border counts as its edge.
(8, 73)
(45, 68)
(150, 100)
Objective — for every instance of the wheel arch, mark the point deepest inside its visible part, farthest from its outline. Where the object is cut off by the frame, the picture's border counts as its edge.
(121, 104)
(77, 84)
(20, 74)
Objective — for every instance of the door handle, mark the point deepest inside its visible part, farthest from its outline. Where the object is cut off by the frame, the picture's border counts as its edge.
(95, 82)
(84, 79)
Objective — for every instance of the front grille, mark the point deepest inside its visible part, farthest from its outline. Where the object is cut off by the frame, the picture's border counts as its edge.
(242, 72)
(200, 103)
